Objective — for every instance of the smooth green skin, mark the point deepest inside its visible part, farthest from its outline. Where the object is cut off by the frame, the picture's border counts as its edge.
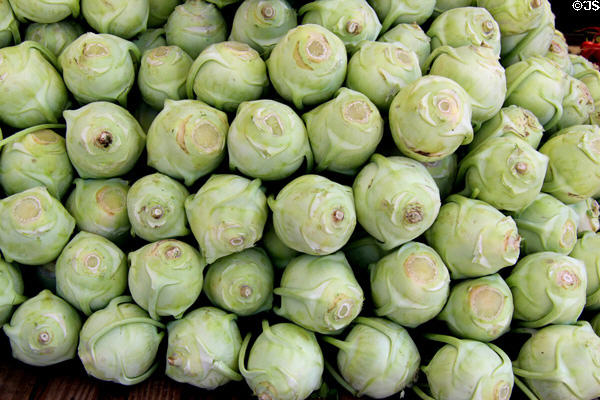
(412, 37)
(124, 18)
(393, 12)
(581, 65)
(445, 5)
(278, 252)
(515, 16)
(473, 238)
(363, 252)
(268, 140)
(578, 105)
(302, 77)
(43, 330)
(226, 74)
(151, 39)
(443, 173)
(34, 227)
(351, 20)
(203, 348)
(548, 288)
(586, 250)
(163, 73)
(380, 70)
(574, 168)
(547, 225)
(320, 293)
(90, 272)
(471, 317)
(314, 215)
(431, 118)
(468, 369)
(160, 11)
(561, 362)
(241, 283)
(396, 199)
(477, 70)
(103, 140)
(100, 67)
(378, 358)
(227, 215)
(100, 207)
(410, 286)
(262, 23)
(195, 25)
(223, 3)
(511, 121)
(538, 85)
(55, 37)
(505, 172)
(47, 11)
(588, 212)
(155, 208)
(344, 132)
(11, 287)
(285, 362)
(9, 26)
(165, 277)
(559, 53)
(119, 343)
(463, 26)
(35, 157)
(27, 102)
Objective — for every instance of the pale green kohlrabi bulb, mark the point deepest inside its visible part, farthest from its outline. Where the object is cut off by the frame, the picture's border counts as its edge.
(55, 37)
(278, 252)
(11, 287)
(393, 12)
(9, 25)
(44, 11)
(588, 212)
(124, 18)
(578, 105)
(412, 37)
(160, 11)
(151, 39)
(586, 250)
(515, 16)
(443, 173)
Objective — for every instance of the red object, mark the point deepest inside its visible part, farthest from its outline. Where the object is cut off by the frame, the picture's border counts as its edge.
(590, 49)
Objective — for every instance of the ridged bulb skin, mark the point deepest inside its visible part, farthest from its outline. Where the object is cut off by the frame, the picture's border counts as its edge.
(445, 5)
(314, 215)
(278, 252)
(344, 132)
(431, 118)
(195, 25)
(548, 288)
(103, 140)
(165, 277)
(36, 157)
(320, 293)
(473, 238)
(262, 23)
(578, 105)
(19, 107)
(581, 65)
(469, 369)
(539, 85)
(46, 12)
(268, 140)
(155, 206)
(515, 16)
(505, 172)
(443, 173)
(227, 215)
(410, 286)
(587, 73)
(100, 206)
(203, 348)
(378, 358)
(412, 37)
(241, 283)
(586, 251)
(285, 362)
(308, 65)
(561, 362)
(477, 70)
(44, 330)
(163, 74)
(11, 287)
(226, 74)
(159, 11)
(588, 212)
(558, 52)
(351, 20)
(186, 140)
(381, 70)
(100, 67)
(363, 252)
(396, 199)
(151, 39)
(119, 343)
(479, 309)
(56, 36)
(34, 227)
(547, 225)
(463, 26)
(393, 12)
(511, 121)
(574, 168)
(9, 26)
(90, 272)
(124, 18)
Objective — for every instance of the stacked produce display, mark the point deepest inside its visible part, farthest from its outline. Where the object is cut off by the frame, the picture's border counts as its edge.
(382, 197)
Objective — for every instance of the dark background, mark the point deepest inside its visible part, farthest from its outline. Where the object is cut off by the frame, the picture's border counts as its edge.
(570, 21)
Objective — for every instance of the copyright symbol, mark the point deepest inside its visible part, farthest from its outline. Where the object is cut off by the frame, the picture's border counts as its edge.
(577, 5)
